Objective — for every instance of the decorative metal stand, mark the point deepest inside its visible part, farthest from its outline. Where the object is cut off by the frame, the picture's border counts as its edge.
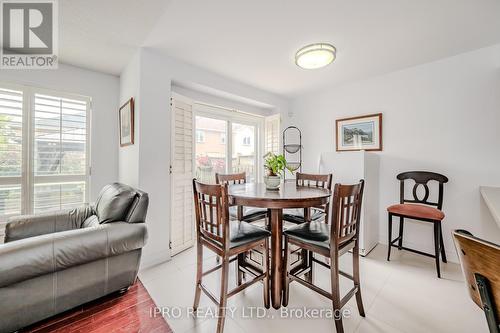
(292, 149)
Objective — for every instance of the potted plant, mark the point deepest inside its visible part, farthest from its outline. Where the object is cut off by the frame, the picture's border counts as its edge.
(275, 168)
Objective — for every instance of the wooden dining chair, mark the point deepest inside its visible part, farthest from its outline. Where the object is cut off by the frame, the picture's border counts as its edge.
(227, 239)
(247, 214)
(301, 257)
(298, 216)
(420, 209)
(480, 261)
(240, 213)
(331, 241)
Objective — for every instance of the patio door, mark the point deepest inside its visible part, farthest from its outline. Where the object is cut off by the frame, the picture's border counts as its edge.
(207, 140)
(210, 148)
(225, 143)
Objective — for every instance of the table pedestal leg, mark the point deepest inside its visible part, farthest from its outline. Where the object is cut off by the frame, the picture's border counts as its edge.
(276, 217)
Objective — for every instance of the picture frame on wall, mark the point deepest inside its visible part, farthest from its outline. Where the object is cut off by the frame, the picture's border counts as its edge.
(126, 118)
(359, 133)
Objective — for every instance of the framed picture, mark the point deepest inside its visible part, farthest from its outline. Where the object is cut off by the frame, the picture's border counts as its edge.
(126, 115)
(359, 133)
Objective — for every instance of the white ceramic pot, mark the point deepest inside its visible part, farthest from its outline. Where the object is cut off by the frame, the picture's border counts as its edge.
(272, 182)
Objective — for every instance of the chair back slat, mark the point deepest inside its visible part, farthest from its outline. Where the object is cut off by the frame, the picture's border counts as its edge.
(230, 179)
(421, 179)
(311, 180)
(479, 258)
(212, 212)
(346, 207)
(318, 181)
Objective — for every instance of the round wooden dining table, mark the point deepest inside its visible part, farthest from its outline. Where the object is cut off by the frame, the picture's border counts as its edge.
(288, 196)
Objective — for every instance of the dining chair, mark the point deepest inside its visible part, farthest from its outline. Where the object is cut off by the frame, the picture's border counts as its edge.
(480, 261)
(298, 216)
(247, 214)
(420, 209)
(302, 257)
(240, 213)
(330, 240)
(228, 239)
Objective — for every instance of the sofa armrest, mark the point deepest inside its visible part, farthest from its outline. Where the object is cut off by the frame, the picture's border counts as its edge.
(25, 226)
(36, 256)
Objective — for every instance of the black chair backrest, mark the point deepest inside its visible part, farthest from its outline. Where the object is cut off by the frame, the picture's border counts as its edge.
(422, 178)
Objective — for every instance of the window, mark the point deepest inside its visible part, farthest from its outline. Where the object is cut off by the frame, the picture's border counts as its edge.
(44, 138)
(200, 136)
(210, 155)
(244, 158)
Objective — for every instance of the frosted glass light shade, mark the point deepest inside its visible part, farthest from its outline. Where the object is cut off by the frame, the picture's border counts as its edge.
(315, 56)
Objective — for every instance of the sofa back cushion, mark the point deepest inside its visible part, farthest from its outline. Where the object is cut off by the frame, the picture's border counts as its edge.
(113, 203)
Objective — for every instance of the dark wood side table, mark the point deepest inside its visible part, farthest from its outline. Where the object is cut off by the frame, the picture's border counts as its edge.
(288, 196)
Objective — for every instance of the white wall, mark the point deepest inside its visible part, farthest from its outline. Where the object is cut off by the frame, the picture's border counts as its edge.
(156, 74)
(128, 156)
(442, 116)
(103, 89)
(220, 101)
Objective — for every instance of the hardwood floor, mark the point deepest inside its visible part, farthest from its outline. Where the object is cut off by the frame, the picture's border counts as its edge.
(128, 312)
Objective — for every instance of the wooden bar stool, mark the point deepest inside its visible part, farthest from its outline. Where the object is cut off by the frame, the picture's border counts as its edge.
(421, 210)
(317, 213)
(480, 261)
(332, 241)
(247, 214)
(227, 239)
(299, 216)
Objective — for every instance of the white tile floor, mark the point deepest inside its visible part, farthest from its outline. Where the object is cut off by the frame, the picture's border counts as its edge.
(403, 295)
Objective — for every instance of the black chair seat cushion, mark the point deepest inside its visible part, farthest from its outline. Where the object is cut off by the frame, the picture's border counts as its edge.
(250, 214)
(297, 215)
(242, 233)
(315, 233)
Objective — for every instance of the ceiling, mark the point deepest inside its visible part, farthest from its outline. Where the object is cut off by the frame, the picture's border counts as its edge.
(103, 35)
(254, 41)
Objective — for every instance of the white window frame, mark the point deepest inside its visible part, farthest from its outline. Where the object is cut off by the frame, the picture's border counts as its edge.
(230, 117)
(200, 136)
(28, 179)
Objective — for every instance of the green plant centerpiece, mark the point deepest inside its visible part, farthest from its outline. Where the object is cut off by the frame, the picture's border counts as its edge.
(275, 169)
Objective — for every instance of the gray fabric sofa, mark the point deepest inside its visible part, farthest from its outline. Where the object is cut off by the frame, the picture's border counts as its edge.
(53, 262)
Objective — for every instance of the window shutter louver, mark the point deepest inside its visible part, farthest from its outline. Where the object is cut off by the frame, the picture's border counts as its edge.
(59, 152)
(272, 134)
(11, 153)
(182, 222)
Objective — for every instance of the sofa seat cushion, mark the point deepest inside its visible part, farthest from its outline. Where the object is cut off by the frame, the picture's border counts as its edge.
(242, 233)
(91, 221)
(417, 211)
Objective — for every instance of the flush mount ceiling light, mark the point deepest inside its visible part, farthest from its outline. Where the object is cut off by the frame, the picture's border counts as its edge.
(315, 55)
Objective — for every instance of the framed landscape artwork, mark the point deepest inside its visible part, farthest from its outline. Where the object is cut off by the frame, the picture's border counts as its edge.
(359, 133)
(126, 115)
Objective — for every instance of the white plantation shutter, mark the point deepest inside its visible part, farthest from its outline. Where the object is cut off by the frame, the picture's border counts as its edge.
(11, 155)
(272, 134)
(60, 144)
(182, 233)
(44, 155)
